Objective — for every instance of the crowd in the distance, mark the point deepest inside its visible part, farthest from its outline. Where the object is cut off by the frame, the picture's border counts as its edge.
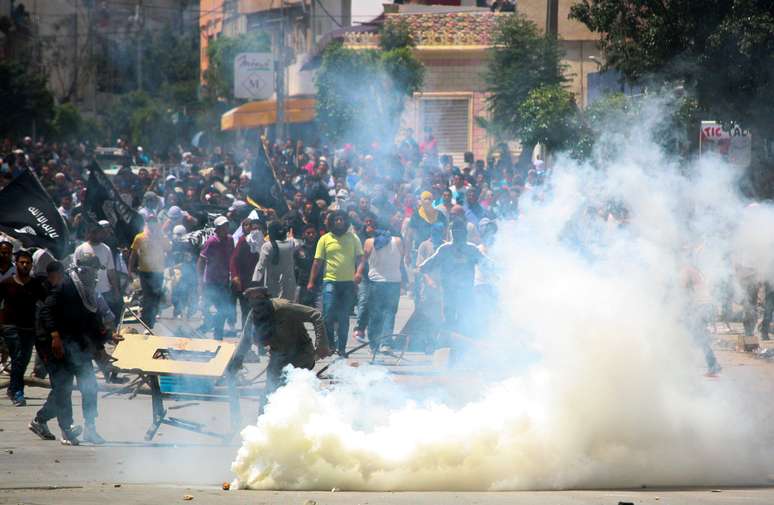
(364, 225)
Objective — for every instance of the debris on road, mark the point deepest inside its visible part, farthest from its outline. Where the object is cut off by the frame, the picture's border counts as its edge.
(187, 497)
(226, 486)
(310, 502)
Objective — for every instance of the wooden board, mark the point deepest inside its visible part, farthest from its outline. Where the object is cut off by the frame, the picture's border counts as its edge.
(135, 353)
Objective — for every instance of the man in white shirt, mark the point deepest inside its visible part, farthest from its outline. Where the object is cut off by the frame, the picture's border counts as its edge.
(107, 279)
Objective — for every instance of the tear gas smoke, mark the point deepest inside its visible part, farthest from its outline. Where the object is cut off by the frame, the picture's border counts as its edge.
(589, 374)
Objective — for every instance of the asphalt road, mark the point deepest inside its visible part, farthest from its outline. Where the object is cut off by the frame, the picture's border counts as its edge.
(178, 464)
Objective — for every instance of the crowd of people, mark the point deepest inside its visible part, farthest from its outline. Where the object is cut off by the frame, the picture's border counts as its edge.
(362, 227)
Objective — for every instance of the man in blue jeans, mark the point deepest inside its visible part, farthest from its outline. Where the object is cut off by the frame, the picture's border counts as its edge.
(19, 295)
(339, 252)
(383, 260)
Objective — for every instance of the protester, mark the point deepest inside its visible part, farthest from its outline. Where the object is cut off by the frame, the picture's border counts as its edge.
(279, 325)
(303, 259)
(55, 275)
(338, 252)
(456, 262)
(384, 255)
(243, 261)
(18, 297)
(107, 279)
(147, 261)
(213, 270)
(275, 269)
(78, 333)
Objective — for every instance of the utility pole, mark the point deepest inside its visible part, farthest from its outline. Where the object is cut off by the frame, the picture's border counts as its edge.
(280, 74)
(138, 23)
(552, 18)
(74, 96)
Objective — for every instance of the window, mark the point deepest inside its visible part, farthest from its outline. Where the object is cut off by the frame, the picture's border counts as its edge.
(449, 120)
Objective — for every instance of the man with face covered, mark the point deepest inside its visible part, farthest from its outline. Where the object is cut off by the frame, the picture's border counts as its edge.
(279, 325)
(71, 316)
(456, 262)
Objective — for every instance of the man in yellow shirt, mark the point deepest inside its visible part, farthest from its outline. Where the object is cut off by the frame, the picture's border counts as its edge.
(147, 260)
(339, 252)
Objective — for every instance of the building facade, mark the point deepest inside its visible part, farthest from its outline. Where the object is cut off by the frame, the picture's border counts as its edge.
(90, 50)
(453, 42)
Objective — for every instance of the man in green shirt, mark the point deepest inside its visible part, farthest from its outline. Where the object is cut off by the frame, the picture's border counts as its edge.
(339, 252)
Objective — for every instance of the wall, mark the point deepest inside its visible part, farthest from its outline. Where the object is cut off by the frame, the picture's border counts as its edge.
(453, 74)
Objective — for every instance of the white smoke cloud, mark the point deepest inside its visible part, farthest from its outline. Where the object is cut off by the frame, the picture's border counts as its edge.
(616, 396)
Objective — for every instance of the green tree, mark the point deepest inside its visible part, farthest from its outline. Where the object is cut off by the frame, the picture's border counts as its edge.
(548, 116)
(144, 120)
(522, 60)
(721, 51)
(173, 74)
(221, 52)
(361, 93)
(25, 101)
(395, 34)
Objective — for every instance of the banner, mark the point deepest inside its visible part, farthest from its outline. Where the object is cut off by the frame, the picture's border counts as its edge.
(734, 147)
(253, 76)
(28, 214)
(265, 191)
(104, 202)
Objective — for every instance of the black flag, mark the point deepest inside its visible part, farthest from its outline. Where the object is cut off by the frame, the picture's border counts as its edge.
(28, 214)
(104, 202)
(265, 191)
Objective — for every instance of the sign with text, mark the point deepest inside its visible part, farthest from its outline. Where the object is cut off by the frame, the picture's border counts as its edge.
(254, 76)
(734, 146)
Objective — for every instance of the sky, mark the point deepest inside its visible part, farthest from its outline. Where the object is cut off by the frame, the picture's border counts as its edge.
(365, 10)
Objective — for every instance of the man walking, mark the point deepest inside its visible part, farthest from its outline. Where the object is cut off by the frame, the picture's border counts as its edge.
(383, 254)
(213, 269)
(339, 251)
(147, 260)
(70, 315)
(18, 296)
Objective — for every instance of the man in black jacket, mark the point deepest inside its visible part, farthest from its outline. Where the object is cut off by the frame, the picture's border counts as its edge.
(70, 315)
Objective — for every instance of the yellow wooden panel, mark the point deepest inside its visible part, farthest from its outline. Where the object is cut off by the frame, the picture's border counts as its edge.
(135, 353)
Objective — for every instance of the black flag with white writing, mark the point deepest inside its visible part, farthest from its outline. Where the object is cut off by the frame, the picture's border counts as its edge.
(103, 202)
(28, 214)
(265, 191)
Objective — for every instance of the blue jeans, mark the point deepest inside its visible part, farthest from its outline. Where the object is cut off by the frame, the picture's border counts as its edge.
(152, 285)
(219, 296)
(383, 299)
(362, 305)
(75, 364)
(20, 342)
(337, 302)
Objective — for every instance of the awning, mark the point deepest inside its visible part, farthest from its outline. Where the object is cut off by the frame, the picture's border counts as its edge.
(264, 113)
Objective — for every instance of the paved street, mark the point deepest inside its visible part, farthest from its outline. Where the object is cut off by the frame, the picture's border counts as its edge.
(127, 470)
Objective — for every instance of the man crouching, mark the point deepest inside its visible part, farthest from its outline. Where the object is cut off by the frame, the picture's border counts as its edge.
(279, 325)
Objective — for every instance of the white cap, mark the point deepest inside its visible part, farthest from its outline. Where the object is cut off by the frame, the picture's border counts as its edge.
(179, 229)
(220, 221)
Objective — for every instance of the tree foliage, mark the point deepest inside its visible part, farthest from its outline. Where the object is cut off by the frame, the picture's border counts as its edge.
(721, 50)
(548, 116)
(395, 34)
(24, 100)
(221, 52)
(143, 120)
(522, 60)
(361, 93)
